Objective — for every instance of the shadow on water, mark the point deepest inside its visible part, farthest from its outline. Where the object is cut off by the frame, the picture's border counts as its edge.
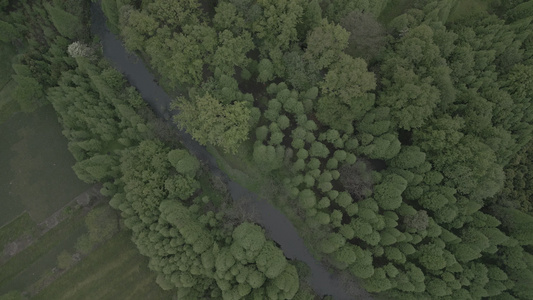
(276, 224)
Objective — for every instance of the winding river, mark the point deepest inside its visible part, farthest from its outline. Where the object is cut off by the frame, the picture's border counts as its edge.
(277, 226)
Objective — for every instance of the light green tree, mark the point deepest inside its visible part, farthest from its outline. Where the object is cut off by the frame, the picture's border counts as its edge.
(211, 122)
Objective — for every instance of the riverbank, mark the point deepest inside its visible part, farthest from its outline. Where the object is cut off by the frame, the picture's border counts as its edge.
(277, 225)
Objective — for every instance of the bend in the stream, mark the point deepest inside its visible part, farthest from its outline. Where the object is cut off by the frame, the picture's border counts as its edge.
(277, 225)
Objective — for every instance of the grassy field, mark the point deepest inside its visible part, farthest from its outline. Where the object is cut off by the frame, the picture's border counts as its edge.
(116, 270)
(23, 225)
(37, 167)
(25, 259)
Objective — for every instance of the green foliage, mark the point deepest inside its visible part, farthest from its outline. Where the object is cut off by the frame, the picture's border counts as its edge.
(249, 237)
(333, 242)
(367, 36)
(517, 223)
(431, 257)
(388, 194)
(268, 157)
(271, 260)
(378, 282)
(344, 199)
(261, 133)
(221, 125)
(266, 71)
(9, 32)
(345, 94)
(276, 138)
(110, 9)
(66, 24)
(409, 157)
(318, 150)
(437, 287)
(182, 187)
(451, 111)
(325, 44)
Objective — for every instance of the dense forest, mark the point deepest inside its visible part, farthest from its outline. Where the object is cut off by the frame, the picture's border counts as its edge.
(397, 132)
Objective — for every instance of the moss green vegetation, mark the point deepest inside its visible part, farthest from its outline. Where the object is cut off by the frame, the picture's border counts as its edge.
(115, 270)
(37, 174)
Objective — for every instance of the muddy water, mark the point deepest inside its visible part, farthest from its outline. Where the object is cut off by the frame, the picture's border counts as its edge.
(276, 224)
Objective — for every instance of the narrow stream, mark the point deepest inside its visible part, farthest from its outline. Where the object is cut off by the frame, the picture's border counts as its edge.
(278, 227)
